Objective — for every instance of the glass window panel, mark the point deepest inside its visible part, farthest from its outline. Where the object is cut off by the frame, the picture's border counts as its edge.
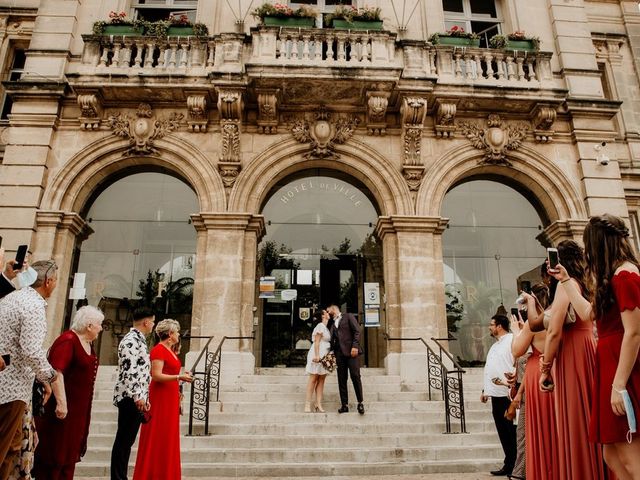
(449, 24)
(483, 7)
(452, 6)
(304, 277)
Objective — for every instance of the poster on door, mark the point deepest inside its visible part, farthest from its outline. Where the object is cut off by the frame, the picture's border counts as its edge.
(371, 316)
(267, 287)
(372, 293)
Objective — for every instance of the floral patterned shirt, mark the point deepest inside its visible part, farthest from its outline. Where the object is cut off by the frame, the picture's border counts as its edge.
(23, 328)
(134, 368)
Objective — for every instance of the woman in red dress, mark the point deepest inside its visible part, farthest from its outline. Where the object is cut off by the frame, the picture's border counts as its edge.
(616, 309)
(64, 427)
(159, 449)
(573, 347)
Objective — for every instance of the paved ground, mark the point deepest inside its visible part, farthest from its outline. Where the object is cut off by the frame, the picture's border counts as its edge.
(434, 476)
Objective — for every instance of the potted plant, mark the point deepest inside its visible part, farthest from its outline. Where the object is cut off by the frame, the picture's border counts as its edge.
(517, 40)
(350, 17)
(284, 16)
(179, 25)
(118, 24)
(456, 36)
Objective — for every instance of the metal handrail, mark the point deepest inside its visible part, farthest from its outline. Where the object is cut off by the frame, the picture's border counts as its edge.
(439, 377)
(205, 381)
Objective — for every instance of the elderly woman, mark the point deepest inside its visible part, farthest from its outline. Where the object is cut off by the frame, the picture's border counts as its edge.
(160, 436)
(64, 427)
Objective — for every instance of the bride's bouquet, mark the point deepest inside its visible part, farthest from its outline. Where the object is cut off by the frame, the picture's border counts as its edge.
(328, 362)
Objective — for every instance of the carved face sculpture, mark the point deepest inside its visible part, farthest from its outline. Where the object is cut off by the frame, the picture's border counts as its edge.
(322, 132)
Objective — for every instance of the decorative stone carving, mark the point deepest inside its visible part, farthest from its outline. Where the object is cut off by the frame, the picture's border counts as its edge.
(413, 112)
(229, 172)
(90, 112)
(608, 48)
(198, 116)
(230, 106)
(377, 112)
(413, 175)
(495, 139)
(445, 120)
(542, 122)
(144, 130)
(268, 111)
(230, 151)
(324, 134)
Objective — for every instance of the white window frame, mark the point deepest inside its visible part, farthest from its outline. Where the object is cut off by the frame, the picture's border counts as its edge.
(465, 18)
(10, 74)
(175, 7)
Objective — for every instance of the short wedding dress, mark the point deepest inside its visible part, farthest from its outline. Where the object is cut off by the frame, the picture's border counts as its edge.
(317, 368)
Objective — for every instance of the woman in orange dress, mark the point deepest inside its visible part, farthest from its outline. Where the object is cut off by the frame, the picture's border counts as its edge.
(572, 346)
(616, 308)
(159, 449)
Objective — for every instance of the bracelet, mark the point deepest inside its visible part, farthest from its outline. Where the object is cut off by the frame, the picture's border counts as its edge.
(177, 378)
(545, 367)
(565, 281)
(618, 391)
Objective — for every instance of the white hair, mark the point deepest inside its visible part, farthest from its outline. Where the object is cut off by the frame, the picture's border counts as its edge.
(84, 316)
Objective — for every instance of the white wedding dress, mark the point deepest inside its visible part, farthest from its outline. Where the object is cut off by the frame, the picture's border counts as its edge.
(317, 368)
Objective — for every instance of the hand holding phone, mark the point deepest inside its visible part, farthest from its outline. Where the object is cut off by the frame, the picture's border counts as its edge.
(552, 259)
(20, 256)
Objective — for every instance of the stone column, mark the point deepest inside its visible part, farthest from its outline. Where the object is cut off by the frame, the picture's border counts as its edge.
(56, 238)
(414, 282)
(225, 287)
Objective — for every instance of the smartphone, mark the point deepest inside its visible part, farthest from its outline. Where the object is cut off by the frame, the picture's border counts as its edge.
(0, 241)
(20, 256)
(526, 286)
(514, 312)
(552, 257)
(496, 380)
(7, 359)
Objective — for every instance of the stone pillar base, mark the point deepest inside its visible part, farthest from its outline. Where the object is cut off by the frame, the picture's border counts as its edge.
(412, 367)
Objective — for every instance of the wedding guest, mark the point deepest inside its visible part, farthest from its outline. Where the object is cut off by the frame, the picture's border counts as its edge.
(615, 307)
(321, 338)
(571, 346)
(64, 427)
(159, 449)
(539, 408)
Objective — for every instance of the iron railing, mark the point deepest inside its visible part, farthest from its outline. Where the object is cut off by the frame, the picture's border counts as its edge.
(446, 379)
(205, 381)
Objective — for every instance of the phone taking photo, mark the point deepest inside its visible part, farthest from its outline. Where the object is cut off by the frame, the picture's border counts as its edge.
(20, 256)
(514, 312)
(552, 258)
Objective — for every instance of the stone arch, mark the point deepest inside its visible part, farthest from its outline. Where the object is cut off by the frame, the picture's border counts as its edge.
(553, 191)
(73, 185)
(357, 159)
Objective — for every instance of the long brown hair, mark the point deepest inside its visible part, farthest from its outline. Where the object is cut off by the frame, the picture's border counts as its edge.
(607, 246)
(572, 258)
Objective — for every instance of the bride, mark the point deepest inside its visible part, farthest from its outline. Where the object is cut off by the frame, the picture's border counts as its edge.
(321, 343)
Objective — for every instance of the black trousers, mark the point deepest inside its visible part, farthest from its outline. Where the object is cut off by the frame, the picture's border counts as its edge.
(348, 366)
(128, 425)
(506, 430)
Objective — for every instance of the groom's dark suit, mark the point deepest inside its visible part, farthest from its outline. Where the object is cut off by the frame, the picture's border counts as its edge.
(6, 286)
(345, 337)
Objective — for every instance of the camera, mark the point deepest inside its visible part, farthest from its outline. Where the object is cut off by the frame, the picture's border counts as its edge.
(601, 157)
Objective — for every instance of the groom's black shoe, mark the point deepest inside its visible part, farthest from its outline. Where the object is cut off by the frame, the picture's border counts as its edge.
(361, 409)
(343, 409)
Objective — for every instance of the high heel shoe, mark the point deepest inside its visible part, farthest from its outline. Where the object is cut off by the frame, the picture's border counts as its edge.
(318, 408)
(307, 407)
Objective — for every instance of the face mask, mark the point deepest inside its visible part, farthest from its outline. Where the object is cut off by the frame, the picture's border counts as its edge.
(27, 277)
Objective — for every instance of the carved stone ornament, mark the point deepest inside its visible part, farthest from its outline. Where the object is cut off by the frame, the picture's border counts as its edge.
(143, 130)
(90, 112)
(229, 172)
(413, 112)
(230, 149)
(268, 111)
(377, 112)
(198, 117)
(230, 104)
(445, 120)
(542, 123)
(324, 134)
(495, 139)
(413, 175)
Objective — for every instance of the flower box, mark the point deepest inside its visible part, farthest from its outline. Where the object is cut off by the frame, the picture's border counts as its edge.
(526, 45)
(357, 24)
(122, 30)
(178, 31)
(458, 41)
(303, 22)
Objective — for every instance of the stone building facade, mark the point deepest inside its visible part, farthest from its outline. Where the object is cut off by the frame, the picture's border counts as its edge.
(249, 109)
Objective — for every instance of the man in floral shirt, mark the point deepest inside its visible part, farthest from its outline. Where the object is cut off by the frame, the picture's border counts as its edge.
(131, 393)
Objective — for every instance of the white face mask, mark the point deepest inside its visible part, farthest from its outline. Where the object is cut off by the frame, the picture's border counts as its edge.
(27, 277)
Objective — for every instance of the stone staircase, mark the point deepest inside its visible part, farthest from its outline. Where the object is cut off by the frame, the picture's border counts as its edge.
(259, 429)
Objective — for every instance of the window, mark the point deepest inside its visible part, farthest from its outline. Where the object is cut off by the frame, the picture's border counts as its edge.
(635, 228)
(16, 68)
(479, 16)
(153, 10)
(322, 6)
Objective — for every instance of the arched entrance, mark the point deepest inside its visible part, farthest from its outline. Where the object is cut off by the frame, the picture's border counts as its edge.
(142, 252)
(490, 251)
(319, 249)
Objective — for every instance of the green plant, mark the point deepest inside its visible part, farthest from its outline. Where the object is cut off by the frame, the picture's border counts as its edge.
(283, 11)
(117, 18)
(454, 31)
(351, 14)
(161, 27)
(498, 41)
(502, 41)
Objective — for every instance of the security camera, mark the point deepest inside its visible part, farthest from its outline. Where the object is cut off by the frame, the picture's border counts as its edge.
(601, 157)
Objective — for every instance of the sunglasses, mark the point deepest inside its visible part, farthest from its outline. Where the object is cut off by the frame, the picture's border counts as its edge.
(52, 265)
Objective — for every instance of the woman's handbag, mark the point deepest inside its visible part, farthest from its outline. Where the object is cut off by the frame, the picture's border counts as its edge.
(37, 399)
(328, 362)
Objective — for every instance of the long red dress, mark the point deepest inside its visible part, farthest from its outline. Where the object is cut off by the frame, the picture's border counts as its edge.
(159, 449)
(541, 435)
(575, 366)
(606, 427)
(63, 442)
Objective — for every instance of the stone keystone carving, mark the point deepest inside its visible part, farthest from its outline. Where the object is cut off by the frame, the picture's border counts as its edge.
(413, 112)
(542, 123)
(445, 120)
(377, 112)
(268, 111)
(230, 106)
(198, 117)
(495, 139)
(143, 130)
(90, 112)
(324, 134)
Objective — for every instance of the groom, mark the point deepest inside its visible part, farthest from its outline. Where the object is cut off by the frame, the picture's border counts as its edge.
(345, 338)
